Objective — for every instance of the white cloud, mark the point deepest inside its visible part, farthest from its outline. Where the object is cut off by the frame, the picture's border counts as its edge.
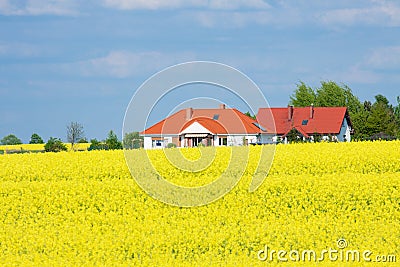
(148, 4)
(38, 7)
(377, 13)
(237, 19)
(18, 50)
(122, 64)
(232, 19)
(236, 4)
(162, 4)
(356, 74)
(374, 68)
(384, 58)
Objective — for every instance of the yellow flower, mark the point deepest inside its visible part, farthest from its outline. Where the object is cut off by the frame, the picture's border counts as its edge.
(85, 208)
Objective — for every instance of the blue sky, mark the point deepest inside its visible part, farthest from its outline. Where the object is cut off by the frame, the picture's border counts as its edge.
(71, 60)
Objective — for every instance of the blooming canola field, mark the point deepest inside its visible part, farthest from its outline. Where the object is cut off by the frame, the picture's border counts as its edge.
(85, 208)
(38, 147)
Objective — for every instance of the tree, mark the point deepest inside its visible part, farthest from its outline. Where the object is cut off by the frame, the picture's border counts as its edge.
(112, 141)
(10, 140)
(133, 140)
(367, 106)
(294, 136)
(381, 118)
(397, 115)
(383, 100)
(96, 145)
(359, 124)
(55, 145)
(317, 137)
(248, 114)
(303, 96)
(330, 94)
(36, 139)
(74, 133)
(397, 109)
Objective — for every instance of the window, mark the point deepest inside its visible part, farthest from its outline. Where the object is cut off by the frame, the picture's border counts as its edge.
(216, 116)
(304, 122)
(223, 141)
(259, 126)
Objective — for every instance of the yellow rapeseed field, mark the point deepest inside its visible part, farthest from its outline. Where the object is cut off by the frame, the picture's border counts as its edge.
(85, 209)
(39, 147)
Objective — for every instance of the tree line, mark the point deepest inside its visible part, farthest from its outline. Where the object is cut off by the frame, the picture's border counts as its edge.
(75, 135)
(371, 121)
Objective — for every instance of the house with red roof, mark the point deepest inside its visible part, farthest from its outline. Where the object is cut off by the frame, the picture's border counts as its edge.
(229, 127)
(306, 122)
(209, 127)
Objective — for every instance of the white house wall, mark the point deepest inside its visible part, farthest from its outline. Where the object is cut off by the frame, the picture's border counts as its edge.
(167, 140)
(216, 140)
(237, 140)
(345, 132)
(182, 139)
(234, 140)
(268, 138)
(251, 139)
(147, 143)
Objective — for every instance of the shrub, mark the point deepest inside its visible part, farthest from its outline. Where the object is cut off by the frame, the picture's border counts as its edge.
(97, 145)
(171, 145)
(55, 145)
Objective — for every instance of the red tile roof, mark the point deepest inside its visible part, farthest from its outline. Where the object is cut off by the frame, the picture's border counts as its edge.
(229, 121)
(307, 120)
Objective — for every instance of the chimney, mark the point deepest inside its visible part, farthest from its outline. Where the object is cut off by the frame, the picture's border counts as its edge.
(189, 113)
(221, 106)
(312, 111)
(290, 112)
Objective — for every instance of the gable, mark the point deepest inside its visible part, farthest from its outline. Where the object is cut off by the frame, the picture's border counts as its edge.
(298, 130)
(195, 127)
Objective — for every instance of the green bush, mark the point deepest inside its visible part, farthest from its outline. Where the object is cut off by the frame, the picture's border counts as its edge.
(97, 145)
(55, 145)
(171, 145)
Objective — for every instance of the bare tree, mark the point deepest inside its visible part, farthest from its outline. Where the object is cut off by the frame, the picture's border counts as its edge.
(74, 133)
